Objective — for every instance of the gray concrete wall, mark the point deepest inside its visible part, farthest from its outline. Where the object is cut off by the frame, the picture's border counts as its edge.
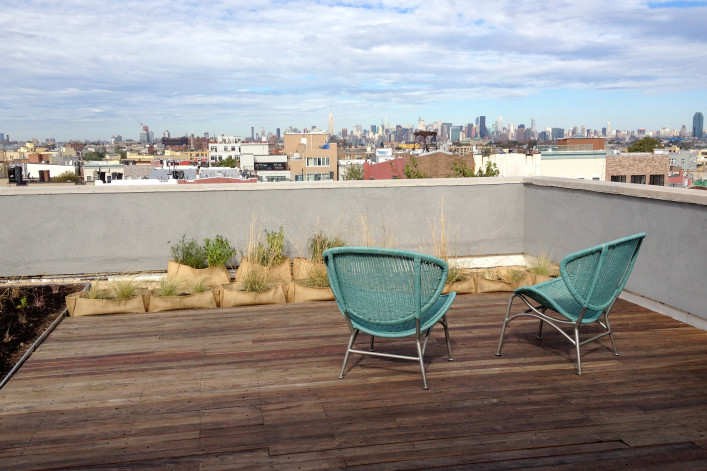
(74, 230)
(563, 216)
(101, 229)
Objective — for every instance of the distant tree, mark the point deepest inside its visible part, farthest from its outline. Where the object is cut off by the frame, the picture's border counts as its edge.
(490, 171)
(354, 172)
(412, 171)
(94, 155)
(227, 162)
(486, 152)
(67, 176)
(462, 171)
(647, 144)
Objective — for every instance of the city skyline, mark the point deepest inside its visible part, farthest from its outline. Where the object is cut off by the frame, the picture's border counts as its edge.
(86, 72)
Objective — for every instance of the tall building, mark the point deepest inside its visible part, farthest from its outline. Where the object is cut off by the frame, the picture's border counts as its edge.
(483, 132)
(698, 126)
(331, 122)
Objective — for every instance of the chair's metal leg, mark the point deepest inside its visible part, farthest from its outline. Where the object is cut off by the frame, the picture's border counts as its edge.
(611, 335)
(352, 339)
(446, 336)
(422, 362)
(576, 343)
(505, 322)
(371, 349)
(540, 331)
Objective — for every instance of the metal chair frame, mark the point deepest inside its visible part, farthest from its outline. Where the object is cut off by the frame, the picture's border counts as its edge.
(538, 312)
(421, 306)
(420, 347)
(586, 301)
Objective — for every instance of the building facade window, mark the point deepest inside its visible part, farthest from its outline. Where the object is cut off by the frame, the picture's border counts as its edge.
(317, 161)
(640, 179)
(315, 177)
(618, 178)
(658, 180)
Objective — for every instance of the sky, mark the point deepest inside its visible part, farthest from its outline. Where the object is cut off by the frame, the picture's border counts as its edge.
(92, 69)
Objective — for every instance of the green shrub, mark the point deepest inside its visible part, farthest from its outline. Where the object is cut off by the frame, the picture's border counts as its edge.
(67, 176)
(271, 255)
(189, 252)
(218, 251)
(320, 242)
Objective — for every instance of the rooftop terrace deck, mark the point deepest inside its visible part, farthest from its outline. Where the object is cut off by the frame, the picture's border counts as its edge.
(257, 388)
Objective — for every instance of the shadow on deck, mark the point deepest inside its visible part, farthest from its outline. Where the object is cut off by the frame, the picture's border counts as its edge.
(258, 388)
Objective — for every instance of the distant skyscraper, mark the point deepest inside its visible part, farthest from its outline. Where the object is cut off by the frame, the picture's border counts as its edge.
(252, 132)
(278, 133)
(698, 125)
(483, 132)
(331, 122)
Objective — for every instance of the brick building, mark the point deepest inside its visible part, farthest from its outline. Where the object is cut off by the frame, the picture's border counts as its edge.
(651, 169)
(437, 164)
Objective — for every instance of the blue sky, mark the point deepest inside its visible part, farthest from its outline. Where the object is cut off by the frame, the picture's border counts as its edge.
(88, 69)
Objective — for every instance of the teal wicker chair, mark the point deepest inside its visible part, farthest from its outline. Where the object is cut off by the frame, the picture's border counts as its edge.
(591, 281)
(389, 293)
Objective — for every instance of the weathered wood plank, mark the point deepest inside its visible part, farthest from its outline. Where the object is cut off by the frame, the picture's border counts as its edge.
(258, 388)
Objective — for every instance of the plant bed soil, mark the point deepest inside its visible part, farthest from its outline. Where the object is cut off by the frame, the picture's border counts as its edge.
(21, 326)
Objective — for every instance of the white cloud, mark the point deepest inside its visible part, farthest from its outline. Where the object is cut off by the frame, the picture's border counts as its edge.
(276, 60)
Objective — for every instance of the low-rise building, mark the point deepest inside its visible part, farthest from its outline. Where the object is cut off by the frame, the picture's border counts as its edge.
(310, 156)
(641, 168)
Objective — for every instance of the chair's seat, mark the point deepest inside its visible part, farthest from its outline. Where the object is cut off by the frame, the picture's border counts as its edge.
(553, 294)
(427, 321)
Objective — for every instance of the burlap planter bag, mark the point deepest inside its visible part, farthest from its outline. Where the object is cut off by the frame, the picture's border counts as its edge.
(205, 300)
(298, 293)
(281, 273)
(231, 296)
(467, 286)
(212, 276)
(301, 266)
(79, 304)
(490, 286)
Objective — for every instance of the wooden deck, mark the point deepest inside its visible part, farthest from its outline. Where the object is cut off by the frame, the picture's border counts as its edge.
(257, 388)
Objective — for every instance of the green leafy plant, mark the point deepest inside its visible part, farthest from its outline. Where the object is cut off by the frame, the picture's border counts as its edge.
(271, 255)
(169, 286)
(189, 252)
(218, 251)
(320, 241)
(412, 171)
(24, 302)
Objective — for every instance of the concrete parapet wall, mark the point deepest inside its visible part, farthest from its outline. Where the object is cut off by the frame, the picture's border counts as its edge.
(86, 229)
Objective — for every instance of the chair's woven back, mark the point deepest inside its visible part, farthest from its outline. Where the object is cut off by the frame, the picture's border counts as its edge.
(596, 276)
(384, 286)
